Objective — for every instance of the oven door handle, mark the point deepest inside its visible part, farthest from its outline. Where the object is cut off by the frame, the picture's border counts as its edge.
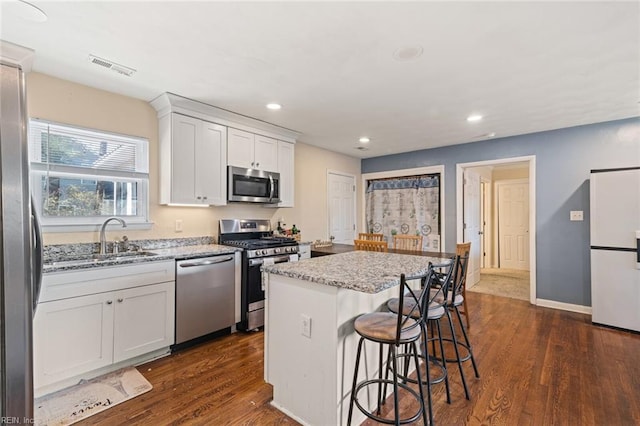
(205, 262)
(279, 259)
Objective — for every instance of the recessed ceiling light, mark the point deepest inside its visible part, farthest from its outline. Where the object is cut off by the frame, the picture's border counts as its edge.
(364, 139)
(474, 117)
(26, 11)
(274, 106)
(408, 53)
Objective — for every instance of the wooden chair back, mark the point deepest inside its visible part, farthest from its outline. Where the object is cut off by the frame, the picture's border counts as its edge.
(370, 237)
(407, 242)
(368, 245)
(463, 250)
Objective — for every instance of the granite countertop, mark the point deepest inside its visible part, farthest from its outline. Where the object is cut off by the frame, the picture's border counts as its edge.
(71, 263)
(365, 271)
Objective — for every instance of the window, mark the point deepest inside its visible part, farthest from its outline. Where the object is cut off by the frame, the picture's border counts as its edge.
(80, 177)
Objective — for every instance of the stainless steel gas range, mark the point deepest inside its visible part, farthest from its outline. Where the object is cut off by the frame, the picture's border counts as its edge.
(260, 246)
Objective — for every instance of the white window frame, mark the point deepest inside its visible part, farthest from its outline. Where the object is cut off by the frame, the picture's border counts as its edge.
(89, 223)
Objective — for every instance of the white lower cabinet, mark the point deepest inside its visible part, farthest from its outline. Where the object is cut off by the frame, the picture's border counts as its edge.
(77, 335)
(71, 337)
(143, 320)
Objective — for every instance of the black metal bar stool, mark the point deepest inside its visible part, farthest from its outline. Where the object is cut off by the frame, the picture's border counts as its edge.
(453, 299)
(433, 309)
(391, 330)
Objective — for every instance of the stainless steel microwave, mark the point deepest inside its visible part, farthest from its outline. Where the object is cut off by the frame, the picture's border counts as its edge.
(253, 186)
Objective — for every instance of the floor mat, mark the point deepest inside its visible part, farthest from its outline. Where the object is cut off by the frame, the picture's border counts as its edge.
(80, 401)
(512, 283)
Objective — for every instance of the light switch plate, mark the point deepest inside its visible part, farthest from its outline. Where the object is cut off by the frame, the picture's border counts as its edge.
(576, 215)
(178, 225)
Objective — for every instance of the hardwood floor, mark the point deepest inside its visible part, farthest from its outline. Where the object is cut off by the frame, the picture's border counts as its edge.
(538, 366)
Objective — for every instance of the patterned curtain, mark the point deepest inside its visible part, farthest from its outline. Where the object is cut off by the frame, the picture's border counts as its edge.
(409, 206)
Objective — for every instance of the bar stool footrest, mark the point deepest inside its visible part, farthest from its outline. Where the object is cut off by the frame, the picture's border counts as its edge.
(379, 419)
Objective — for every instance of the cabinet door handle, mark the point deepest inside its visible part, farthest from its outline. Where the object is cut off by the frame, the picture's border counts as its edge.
(253, 163)
(257, 164)
(198, 197)
(204, 198)
(120, 300)
(109, 302)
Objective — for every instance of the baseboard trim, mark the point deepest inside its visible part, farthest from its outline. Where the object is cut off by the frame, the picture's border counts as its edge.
(564, 306)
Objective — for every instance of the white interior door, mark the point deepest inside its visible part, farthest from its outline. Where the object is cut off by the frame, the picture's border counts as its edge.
(471, 206)
(513, 224)
(341, 199)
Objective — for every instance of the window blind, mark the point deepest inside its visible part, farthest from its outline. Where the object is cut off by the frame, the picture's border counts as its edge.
(65, 149)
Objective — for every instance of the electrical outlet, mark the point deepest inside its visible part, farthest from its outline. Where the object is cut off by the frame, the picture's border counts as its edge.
(305, 325)
(178, 225)
(576, 215)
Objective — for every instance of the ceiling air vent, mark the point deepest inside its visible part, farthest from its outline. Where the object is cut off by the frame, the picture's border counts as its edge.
(362, 148)
(120, 69)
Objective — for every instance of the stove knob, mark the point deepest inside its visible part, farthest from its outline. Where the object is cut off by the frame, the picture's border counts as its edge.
(259, 252)
(289, 249)
(277, 250)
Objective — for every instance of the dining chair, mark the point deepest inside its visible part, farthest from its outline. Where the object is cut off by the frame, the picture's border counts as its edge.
(370, 237)
(464, 250)
(407, 242)
(368, 245)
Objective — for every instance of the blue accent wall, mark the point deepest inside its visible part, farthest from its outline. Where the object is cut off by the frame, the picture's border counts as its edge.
(564, 159)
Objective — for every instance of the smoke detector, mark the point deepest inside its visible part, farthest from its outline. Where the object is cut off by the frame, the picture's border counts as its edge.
(120, 69)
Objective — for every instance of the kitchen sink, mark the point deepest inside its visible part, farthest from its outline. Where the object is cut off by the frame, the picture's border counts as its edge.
(97, 258)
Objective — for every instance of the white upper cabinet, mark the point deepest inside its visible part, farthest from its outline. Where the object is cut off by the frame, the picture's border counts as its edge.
(251, 151)
(198, 141)
(192, 161)
(286, 170)
(266, 154)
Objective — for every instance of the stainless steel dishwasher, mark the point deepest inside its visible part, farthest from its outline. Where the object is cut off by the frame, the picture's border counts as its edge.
(205, 296)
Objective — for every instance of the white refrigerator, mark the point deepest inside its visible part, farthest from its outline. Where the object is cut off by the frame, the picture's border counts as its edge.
(615, 247)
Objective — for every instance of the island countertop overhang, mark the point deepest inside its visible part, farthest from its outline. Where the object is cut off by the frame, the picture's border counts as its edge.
(364, 271)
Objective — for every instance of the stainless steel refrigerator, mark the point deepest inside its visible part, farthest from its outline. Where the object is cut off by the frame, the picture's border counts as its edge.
(20, 251)
(615, 247)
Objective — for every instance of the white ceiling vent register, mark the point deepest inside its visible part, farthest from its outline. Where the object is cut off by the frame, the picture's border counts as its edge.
(120, 69)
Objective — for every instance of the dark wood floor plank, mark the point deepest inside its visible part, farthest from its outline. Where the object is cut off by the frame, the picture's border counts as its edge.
(538, 366)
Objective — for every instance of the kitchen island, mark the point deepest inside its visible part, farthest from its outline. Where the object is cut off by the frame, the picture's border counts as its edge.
(310, 342)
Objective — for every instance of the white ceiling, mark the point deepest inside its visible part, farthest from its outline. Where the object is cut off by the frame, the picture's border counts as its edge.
(525, 66)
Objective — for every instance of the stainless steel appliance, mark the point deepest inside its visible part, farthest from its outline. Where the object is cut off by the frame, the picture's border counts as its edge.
(205, 296)
(615, 247)
(20, 246)
(253, 186)
(260, 247)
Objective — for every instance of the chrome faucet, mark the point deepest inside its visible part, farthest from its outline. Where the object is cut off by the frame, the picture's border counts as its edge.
(103, 242)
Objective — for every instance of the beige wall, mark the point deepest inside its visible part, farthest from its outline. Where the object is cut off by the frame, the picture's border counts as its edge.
(311, 211)
(511, 173)
(53, 99)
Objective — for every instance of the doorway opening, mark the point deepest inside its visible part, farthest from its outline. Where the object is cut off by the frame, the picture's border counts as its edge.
(495, 203)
